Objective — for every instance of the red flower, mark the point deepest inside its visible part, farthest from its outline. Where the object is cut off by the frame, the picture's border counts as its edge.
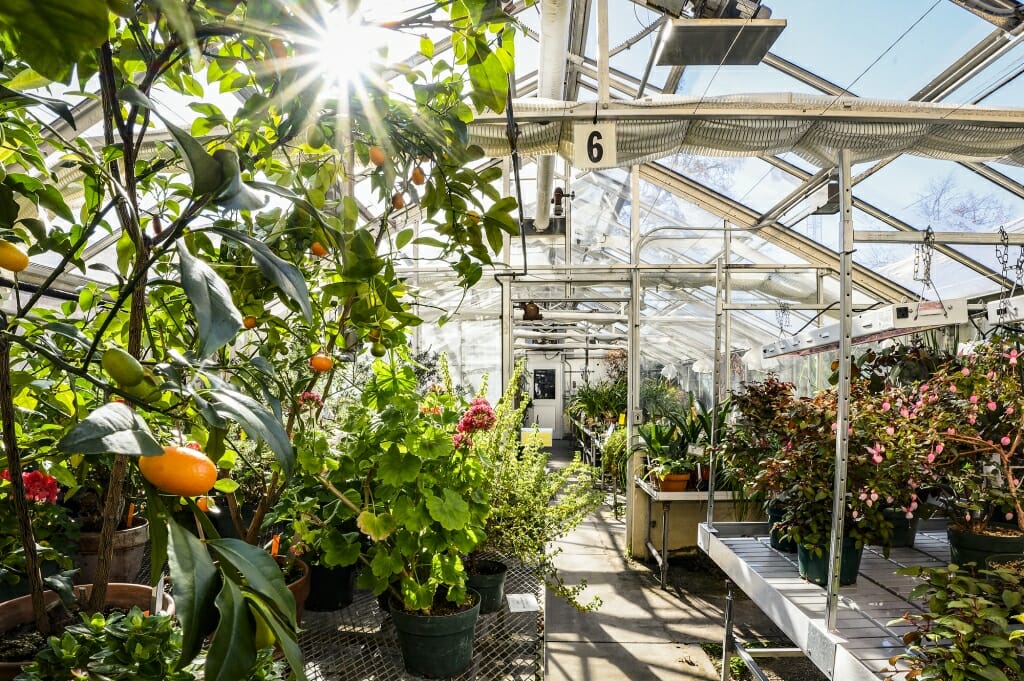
(479, 416)
(39, 486)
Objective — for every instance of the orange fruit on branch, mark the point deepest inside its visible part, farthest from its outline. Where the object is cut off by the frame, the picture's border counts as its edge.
(318, 249)
(179, 470)
(377, 156)
(398, 201)
(250, 322)
(321, 362)
(418, 176)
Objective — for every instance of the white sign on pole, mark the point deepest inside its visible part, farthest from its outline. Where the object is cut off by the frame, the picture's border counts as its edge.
(594, 145)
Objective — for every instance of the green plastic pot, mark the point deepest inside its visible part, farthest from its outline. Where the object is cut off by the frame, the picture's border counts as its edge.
(436, 646)
(815, 568)
(973, 547)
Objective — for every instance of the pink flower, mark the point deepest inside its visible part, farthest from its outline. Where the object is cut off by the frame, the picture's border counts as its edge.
(1005, 441)
(904, 412)
(913, 506)
(479, 416)
(885, 406)
(950, 431)
(877, 459)
(973, 399)
(863, 496)
(1009, 410)
(311, 399)
(938, 448)
(930, 458)
(965, 371)
(462, 441)
(874, 496)
(890, 430)
(971, 419)
(835, 426)
(909, 515)
(39, 486)
(952, 388)
(991, 405)
(990, 375)
(924, 387)
(855, 513)
(1009, 516)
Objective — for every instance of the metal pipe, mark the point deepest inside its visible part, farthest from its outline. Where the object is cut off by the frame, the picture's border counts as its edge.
(554, 42)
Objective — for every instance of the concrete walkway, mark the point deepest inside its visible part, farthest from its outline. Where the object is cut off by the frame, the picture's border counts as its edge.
(641, 632)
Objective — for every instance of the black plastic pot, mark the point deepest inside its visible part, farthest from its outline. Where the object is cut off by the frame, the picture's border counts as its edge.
(331, 588)
(998, 560)
(489, 580)
(973, 547)
(775, 539)
(815, 568)
(436, 646)
(904, 531)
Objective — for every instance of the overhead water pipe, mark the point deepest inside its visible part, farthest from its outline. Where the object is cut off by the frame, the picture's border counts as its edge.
(554, 45)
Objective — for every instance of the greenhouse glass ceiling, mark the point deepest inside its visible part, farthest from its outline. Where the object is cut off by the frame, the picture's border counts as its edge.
(756, 210)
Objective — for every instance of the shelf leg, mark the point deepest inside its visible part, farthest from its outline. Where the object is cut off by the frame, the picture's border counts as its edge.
(664, 544)
(727, 641)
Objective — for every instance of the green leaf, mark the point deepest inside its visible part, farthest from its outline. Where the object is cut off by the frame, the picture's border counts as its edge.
(991, 673)
(232, 650)
(219, 320)
(262, 574)
(235, 195)
(396, 468)
(194, 580)
(340, 549)
(297, 200)
(257, 421)
(404, 237)
(452, 511)
(55, 105)
(376, 527)
(226, 485)
(991, 641)
(125, 253)
(70, 332)
(205, 170)
(177, 15)
(50, 36)
(285, 275)
(427, 47)
(113, 428)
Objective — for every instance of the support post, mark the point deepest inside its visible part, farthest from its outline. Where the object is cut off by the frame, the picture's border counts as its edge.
(602, 51)
(727, 639)
(716, 379)
(634, 540)
(843, 406)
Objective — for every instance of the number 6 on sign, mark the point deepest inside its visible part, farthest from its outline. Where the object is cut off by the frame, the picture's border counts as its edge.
(594, 145)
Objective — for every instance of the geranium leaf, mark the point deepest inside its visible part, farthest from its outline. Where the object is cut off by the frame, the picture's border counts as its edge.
(376, 527)
(452, 511)
(396, 468)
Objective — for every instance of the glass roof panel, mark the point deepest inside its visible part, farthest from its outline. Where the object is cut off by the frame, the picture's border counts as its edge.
(711, 81)
(876, 48)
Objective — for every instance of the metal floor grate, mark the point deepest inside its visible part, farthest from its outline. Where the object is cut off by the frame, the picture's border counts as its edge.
(358, 643)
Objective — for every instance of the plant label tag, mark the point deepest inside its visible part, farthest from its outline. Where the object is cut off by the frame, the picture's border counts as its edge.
(594, 145)
(522, 603)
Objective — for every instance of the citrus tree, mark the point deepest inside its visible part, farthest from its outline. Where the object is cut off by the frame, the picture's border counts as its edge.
(239, 243)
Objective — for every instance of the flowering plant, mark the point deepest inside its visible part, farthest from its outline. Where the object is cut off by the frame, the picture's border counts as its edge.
(966, 422)
(883, 473)
(407, 469)
(55, 533)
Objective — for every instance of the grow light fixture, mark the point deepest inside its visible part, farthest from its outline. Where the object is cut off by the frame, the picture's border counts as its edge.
(1005, 311)
(719, 32)
(901, 319)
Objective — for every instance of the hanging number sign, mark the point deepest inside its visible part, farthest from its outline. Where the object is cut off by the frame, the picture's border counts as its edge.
(594, 145)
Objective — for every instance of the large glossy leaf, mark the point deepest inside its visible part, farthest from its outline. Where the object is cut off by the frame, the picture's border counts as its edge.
(289, 195)
(261, 573)
(219, 319)
(285, 636)
(232, 650)
(50, 36)
(113, 428)
(195, 581)
(235, 194)
(205, 170)
(257, 421)
(55, 105)
(285, 275)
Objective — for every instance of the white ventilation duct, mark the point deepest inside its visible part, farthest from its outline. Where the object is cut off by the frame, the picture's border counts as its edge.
(554, 44)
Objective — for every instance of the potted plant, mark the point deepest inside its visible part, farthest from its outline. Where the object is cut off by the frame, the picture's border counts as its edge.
(970, 627)
(967, 419)
(531, 506)
(420, 501)
(668, 452)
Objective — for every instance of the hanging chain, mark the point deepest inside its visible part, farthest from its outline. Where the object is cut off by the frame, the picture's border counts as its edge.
(1003, 252)
(923, 258)
(782, 318)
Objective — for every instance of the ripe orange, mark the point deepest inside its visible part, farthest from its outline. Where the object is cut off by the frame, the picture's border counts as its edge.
(321, 362)
(377, 156)
(278, 47)
(204, 504)
(418, 176)
(179, 470)
(398, 201)
(318, 249)
(249, 322)
(12, 257)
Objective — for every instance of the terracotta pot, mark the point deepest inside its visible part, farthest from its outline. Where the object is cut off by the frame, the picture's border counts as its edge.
(129, 554)
(674, 482)
(123, 596)
(299, 587)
